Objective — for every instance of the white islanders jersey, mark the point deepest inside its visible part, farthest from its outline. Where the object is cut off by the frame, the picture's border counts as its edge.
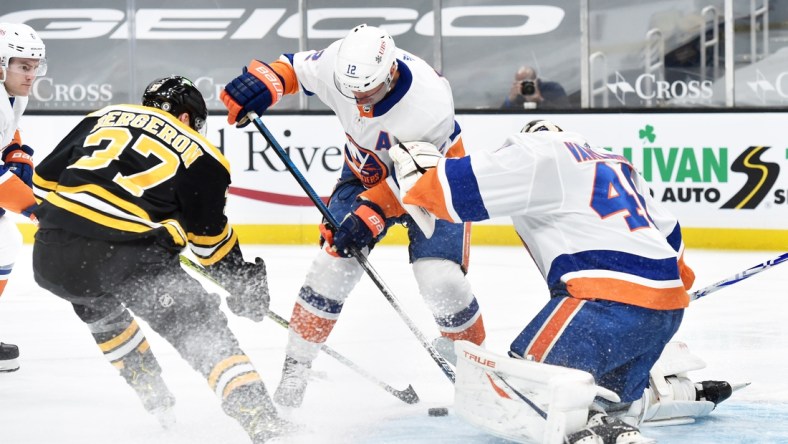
(419, 107)
(585, 215)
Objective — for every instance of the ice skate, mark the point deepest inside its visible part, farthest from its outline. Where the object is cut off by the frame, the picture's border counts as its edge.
(9, 357)
(253, 409)
(715, 391)
(262, 422)
(295, 375)
(604, 429)
(155, 397)
(270, 428)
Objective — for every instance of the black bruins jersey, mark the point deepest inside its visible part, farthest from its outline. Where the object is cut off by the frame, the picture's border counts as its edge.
(128, 172)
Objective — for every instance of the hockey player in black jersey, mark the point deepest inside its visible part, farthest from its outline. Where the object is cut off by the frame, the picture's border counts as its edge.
(120, 197)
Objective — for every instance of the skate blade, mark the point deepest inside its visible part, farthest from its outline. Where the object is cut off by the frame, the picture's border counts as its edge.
(739, 386)
(165, 416)
(9, 365)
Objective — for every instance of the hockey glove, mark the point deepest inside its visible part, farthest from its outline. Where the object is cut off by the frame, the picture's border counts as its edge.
(256, 89)
(18, 160)
(249, 291)
(30, 213)
(411, 161)
(361, 228)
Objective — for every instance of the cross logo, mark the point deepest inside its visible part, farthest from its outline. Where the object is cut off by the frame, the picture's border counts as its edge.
(620, 87)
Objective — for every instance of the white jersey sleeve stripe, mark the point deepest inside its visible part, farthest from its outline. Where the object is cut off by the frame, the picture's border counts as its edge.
(461, 191)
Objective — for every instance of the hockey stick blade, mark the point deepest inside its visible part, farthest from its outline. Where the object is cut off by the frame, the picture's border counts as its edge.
(355, 252)
(408, 395)
(738, 277)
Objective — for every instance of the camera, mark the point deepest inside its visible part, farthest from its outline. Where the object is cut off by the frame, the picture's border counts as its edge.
(527, 87)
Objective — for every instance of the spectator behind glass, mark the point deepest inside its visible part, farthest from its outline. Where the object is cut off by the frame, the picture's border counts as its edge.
(529, 92)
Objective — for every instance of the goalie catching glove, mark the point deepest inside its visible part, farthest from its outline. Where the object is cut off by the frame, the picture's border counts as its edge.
(411, 161)
(360, 229)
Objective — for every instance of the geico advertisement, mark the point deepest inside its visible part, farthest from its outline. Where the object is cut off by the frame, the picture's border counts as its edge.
(712, 170)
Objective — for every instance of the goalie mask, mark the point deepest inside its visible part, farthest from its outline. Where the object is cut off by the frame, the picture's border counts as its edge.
(178, 95)
(20, 40)
(540, 125)
(363, 69)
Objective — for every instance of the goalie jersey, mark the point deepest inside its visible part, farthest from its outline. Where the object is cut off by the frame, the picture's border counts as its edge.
(127, 172)
(585, 215)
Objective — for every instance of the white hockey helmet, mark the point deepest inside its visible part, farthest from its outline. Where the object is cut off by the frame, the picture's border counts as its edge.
(20, 40)
(540, 125)
(364, 61)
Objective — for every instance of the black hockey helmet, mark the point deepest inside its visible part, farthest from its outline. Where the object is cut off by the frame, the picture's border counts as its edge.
(540, 125)
(177, 95)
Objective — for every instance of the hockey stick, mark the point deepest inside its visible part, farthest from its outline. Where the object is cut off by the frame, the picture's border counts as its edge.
(524, 398)
(362, 259)
(408, 395)
(739, 277)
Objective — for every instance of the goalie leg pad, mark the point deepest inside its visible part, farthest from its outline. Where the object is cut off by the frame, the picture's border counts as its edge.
(485, 397)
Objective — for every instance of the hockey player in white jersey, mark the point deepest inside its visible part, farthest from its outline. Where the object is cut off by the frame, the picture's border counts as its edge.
(22, 59)
(382, 95)
(612, 257)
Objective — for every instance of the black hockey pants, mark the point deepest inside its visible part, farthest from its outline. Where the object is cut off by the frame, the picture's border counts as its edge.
(145, 276)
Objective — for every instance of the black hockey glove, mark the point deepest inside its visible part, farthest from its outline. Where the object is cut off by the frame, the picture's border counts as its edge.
(248, 287)
(360, 229)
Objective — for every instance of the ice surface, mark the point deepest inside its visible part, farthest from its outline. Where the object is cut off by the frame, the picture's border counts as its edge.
(66, 393)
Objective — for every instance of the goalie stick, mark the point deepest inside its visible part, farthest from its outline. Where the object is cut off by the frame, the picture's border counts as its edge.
(408, 395)
(739, 277)
(522, 397)
(362, 259)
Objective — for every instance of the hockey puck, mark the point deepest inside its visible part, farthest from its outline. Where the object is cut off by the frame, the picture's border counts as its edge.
(438, 411)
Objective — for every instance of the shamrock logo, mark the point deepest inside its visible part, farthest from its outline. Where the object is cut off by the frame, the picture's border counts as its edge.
(648, 133)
